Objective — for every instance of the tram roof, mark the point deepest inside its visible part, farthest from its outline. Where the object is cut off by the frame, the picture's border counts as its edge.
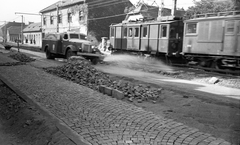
(144, 23)
(215, 16)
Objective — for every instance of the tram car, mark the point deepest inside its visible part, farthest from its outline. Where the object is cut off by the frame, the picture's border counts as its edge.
(213, 40)
(208, 40)
(154, 38)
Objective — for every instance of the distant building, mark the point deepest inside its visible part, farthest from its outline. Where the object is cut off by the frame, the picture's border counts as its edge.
(143, 12)
(4, 28)
(33, 35)
(13, 34)
(84, 16)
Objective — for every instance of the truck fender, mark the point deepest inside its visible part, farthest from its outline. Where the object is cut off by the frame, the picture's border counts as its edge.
(73, 48)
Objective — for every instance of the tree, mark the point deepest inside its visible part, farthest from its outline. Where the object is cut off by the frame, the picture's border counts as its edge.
(236, 4)
(210, 6)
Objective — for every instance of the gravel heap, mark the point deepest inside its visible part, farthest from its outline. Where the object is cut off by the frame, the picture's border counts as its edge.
(81, 72)
(21, 57)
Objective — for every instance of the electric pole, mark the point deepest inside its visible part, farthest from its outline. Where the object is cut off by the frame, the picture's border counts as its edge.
(58, 18)
(22, 30)
(174, 8)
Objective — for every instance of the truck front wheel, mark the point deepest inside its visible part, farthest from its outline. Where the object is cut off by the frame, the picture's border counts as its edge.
(70, 53)
(94, 61)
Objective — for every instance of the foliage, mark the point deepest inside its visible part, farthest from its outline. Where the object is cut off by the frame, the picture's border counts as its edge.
(209, 6)
(236, 4)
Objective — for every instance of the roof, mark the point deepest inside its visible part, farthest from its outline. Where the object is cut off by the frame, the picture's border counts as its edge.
(62, 3)
(216, 16)
(14, 30)
(33, 27)
(146, 11)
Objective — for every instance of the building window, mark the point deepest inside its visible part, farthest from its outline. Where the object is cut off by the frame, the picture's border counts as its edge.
(80, 15)
(136, 32)
(144, 31)
(192, 28)
(230, 26)
(163, 31)
(51, 20)
(44, 20)
(59, 18)
(69, 17)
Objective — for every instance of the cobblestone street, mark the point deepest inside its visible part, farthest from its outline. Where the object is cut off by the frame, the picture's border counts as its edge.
(100, 119)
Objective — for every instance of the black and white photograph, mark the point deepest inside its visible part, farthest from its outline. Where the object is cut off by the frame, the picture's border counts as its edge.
(120, 72)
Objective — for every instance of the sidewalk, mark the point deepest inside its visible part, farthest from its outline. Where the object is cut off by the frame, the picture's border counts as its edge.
(97, 118)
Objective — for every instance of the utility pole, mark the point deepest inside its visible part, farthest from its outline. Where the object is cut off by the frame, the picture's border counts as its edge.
(22, 30)
(174, 8)
(161, 9)
(57, 18)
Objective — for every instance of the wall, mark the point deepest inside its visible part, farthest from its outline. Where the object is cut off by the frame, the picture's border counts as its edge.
(33, 38)
(75, 25)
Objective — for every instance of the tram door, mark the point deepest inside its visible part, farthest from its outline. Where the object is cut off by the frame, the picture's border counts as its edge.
(232, 37)
(133, 38)
(112, 36)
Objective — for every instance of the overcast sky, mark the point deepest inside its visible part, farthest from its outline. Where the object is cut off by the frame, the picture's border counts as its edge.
(9, 7)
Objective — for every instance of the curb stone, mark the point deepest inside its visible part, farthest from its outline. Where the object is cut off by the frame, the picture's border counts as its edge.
(67, 131)
(108, 91)
(117, 94)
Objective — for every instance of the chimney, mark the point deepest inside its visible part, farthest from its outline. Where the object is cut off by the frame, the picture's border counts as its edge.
(174, 7)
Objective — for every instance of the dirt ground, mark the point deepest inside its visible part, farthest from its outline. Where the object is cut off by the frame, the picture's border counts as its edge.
(216, 118)
(21, 123)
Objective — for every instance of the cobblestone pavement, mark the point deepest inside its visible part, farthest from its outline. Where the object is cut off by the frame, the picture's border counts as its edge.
(100, 119)
(23, 124)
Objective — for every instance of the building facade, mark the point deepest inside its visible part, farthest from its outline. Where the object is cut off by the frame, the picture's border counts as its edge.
(14, 34)
(142, 12)
(7, 25)
(32, 35)
(89, 17)
(63, 16)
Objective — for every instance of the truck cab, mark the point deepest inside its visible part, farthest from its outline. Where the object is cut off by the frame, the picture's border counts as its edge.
(67, 44)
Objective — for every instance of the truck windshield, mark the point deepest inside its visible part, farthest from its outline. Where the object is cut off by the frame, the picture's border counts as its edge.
(84, 37)
(72, 36)
(78, 36)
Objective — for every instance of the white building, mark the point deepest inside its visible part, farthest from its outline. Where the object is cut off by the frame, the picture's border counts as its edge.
(64, 16)
(32, 35)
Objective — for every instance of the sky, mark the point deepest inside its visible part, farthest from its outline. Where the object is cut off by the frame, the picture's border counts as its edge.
(10, 7)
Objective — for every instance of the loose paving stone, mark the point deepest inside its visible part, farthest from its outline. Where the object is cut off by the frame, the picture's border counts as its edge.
(98, 118)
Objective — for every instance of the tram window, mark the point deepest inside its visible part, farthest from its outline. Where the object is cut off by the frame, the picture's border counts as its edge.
(125, 32)
(112, 32)
(230, 26)
(136, 32)
(130, 32)
(144, 31)
(192, 28)
(163, 31)
(172, 32)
